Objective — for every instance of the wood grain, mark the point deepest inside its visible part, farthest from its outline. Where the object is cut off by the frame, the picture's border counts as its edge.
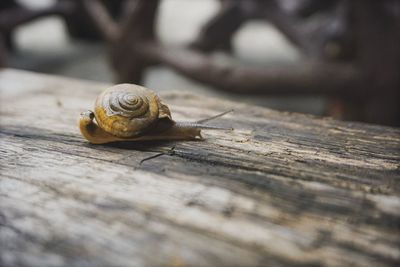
(280, 190)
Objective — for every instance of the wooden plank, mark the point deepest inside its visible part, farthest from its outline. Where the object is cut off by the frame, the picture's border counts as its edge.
(281, 189)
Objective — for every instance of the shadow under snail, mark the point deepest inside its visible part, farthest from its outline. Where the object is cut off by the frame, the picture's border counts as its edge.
(129, 112)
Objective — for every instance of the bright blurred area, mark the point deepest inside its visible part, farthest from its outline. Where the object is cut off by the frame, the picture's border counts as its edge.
(297, 43)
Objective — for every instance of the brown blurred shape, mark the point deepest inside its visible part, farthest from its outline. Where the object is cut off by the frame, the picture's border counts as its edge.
(351, 48)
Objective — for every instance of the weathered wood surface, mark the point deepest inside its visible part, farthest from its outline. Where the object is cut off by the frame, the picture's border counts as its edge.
(280, 190)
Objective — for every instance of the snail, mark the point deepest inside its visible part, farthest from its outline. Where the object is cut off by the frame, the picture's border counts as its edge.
(129, 112)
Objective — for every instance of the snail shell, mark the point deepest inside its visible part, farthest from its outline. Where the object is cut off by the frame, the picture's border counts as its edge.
(129, 112)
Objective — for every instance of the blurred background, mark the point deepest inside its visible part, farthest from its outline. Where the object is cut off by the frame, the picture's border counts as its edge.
(338, 58)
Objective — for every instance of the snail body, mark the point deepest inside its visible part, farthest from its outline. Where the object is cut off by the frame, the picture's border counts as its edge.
(129, 112)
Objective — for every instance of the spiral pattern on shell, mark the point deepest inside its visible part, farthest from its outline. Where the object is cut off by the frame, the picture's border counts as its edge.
(126, 104)
(127, 110)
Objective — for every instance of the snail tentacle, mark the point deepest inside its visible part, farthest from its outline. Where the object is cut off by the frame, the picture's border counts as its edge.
(92, 132)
